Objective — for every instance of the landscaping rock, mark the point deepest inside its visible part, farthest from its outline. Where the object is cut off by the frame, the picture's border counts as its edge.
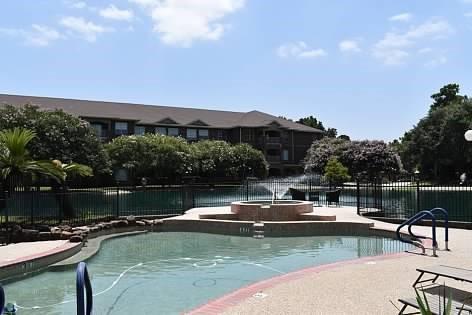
(131, 220)
(42, 228)
(140, 223)
(123, 223)
(76, 239)
(65, 228)
(45, 236)
(55, 230)
(148, 222)
(30, 235)
(65, 235)
(158, 221)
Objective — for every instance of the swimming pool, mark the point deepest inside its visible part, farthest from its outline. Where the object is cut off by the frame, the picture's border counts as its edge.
(173, 272)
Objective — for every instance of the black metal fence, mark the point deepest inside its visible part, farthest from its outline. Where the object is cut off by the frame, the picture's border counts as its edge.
(83, 204)
(402, 199)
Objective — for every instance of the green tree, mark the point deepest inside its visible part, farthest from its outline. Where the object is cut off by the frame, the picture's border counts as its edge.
(371, 158)
(436, 145)
(212, 158)
(15, 159)
(311, 122)
(59, 136)
(331, 132)
(336, 172)
(248, 161)
(321, 151)
(151, 155)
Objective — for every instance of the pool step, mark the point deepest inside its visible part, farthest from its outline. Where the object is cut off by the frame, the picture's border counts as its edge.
(258, 230)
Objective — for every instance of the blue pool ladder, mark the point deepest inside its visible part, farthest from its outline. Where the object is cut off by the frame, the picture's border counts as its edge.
(2, 299)
(417, 218)
(84, 302)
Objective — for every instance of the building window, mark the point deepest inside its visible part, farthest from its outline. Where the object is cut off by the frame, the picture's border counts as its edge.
(203, 133)
(161, 130)
(139, 130)
(173, 132)
(98, 128)
(285, 155)
(121, 128)
(220, 134)
(191, 133)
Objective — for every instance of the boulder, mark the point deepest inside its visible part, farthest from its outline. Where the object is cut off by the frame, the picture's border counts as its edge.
(140, 223)
(148, 222)
(55, 230)
(131, 220)
(30, 235)
(158, 221)
(65, 228)
(45, 236)
(76, 239)
(123, 223)
(65, 235)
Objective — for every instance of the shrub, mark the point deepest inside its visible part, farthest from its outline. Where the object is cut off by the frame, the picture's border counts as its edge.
(59, 136)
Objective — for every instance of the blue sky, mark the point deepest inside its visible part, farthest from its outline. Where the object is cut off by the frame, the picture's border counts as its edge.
(364, 67)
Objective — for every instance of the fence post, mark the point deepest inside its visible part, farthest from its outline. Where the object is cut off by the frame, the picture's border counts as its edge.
(358, 196)
(32, 205)
(247, 189)
(117, 200)
(417, 194)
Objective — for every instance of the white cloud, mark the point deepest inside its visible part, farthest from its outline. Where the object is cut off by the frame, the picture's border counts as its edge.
(79, 5)
(402, 17)
(349, 46)
(425, 50)
(468, 14)
(146, 3)
(299, 50)
(436, 62)
(394, 47)
(39, 35)
(181, 22)
(85, 29)
(112, 12)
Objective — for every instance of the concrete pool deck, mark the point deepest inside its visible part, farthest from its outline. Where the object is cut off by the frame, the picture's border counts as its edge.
(363, 286)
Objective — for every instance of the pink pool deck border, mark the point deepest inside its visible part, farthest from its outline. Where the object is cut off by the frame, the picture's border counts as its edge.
(219, 305)
(37, 261)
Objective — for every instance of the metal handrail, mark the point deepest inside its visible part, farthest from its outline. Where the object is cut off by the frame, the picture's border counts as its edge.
(420, 215)
(2, 300)
(84, 304)
(446, 226)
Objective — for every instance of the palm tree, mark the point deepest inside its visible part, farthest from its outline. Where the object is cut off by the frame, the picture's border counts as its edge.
(15, 159)
(61, 191)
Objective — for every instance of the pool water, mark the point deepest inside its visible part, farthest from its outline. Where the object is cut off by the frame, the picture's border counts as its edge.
(173, 272)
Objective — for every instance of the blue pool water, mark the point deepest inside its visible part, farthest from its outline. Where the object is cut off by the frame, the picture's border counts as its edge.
(169, 273)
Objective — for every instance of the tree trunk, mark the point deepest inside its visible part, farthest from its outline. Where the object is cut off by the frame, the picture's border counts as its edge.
(61, 193)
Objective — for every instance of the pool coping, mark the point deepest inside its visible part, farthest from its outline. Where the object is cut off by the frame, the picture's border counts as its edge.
(25, 265)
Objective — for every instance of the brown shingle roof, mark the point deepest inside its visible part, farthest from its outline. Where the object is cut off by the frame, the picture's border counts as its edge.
(153, 114)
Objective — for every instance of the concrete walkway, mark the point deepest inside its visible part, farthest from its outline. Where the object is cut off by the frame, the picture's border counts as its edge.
(359, 288)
